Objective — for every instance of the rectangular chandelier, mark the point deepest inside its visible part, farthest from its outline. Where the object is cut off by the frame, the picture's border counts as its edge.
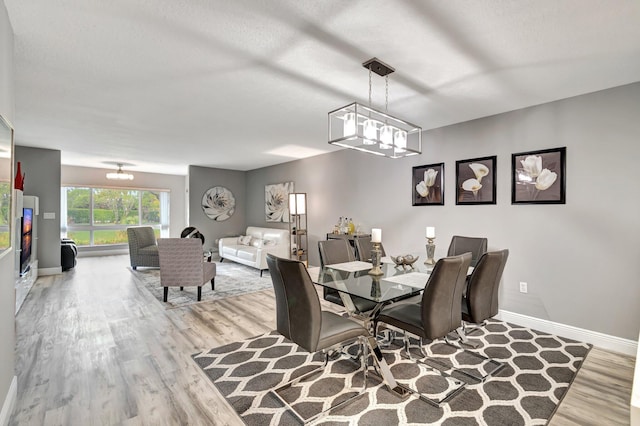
(366, 129)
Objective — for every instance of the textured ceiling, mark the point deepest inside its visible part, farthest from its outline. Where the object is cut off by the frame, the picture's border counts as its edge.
(245, 84)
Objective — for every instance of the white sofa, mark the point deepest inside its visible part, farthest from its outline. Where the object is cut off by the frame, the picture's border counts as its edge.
(253, 248)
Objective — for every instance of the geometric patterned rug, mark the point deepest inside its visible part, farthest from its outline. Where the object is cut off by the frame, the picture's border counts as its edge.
(539, 368)
(232, 279)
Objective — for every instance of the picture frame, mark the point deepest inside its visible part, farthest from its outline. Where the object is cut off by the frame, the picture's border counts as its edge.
(276, 201)
(7, 185)
(539, 177)
(427, 185)
(476, 181)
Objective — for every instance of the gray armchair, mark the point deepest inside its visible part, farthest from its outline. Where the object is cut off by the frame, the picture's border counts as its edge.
(438, 314)
(476, 245)
(300, 319)
(363, 247)
(143, 250)
(182, 265)
(339, 251)
(481, 301)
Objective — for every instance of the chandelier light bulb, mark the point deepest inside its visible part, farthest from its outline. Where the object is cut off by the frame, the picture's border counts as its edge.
(386, 137)
(370, 132)
(400, 140)
(349, 124)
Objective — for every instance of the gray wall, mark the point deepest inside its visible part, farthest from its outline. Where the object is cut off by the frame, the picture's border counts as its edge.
(7, 292)
(578, 258)
(202, 178)
(73, 175)
(41, 168)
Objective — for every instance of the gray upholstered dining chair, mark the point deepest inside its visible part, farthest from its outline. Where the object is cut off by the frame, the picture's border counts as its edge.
(182, 265)
(481, 300)
(339, 251)
(143, 250)
(438, 313)
(476, 245)
(363, 247)
(300, 319)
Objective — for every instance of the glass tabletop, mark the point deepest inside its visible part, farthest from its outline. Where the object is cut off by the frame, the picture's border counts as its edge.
(353, 278)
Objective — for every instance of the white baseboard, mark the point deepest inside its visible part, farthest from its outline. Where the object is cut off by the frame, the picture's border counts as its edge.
(49, 271)
(9, 402)
(601, 340)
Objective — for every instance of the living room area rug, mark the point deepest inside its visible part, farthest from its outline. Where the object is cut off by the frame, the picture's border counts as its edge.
(538, 370)
(232, 279)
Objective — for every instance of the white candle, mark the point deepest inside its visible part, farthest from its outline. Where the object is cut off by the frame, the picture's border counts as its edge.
(376, 235)
(431, 232)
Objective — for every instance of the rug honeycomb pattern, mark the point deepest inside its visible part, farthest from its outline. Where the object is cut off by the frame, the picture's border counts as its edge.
(538, 369)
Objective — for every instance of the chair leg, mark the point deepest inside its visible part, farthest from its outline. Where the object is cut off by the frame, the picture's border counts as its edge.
(363, 365)
(261, 271)
(199, 293)
(135, 268)
(213, 283)
(221, 259)
(166, 293)
(181, 288)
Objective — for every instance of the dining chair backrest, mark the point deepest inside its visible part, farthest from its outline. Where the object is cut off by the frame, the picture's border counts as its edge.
(335, 251)
(301, 305)
(442, 296)
(363, 247)
(282, 310)
(476, 245)
(484, 285)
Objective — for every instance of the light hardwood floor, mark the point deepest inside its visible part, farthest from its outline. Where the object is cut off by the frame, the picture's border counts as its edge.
(94, 348)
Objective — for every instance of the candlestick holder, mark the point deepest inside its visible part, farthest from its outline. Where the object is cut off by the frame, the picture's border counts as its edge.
(376, 257)
(431, 251)
(375, 286)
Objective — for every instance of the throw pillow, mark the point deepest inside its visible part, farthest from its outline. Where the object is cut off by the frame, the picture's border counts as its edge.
(268, 243)
(245, 240)
(256, 242)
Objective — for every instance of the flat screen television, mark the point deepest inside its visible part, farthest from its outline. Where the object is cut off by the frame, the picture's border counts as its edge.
(25, 246)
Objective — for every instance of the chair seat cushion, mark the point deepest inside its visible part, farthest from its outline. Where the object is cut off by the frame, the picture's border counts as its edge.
(229, 251)
(247, 253)
(149, 250)
(336, 329)
(407, 316)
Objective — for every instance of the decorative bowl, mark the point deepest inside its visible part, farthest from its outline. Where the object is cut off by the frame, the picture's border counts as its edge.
(406, 260)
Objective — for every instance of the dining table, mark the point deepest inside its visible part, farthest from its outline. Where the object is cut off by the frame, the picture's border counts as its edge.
(396, 283)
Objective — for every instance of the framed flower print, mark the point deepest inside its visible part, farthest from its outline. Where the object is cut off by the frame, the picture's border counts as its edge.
(427, 185)
(476, 181)
(539, 177)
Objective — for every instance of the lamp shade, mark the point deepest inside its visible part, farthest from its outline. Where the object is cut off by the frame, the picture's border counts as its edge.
(298, 203)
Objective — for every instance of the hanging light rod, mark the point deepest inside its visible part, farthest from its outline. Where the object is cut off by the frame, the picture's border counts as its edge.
(367, 129)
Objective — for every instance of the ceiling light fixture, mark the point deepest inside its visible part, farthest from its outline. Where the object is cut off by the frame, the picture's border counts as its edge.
(366, 129)
(119, 175)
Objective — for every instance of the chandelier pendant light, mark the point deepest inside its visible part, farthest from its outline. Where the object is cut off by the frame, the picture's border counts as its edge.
(366, 129)
(120, 174)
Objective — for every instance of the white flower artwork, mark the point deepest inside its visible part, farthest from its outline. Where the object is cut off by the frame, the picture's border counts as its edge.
(276, 201)
(538, 177)
(218, 203)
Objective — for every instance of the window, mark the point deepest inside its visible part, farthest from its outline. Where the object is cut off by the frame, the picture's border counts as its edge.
(101, 216)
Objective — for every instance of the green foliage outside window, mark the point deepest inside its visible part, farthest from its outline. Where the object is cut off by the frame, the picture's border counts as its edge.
(111, 207)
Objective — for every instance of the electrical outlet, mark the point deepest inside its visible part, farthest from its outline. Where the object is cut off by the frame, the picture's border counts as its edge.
(523, 287)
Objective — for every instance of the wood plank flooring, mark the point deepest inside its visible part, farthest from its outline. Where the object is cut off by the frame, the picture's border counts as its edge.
(94, 348)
